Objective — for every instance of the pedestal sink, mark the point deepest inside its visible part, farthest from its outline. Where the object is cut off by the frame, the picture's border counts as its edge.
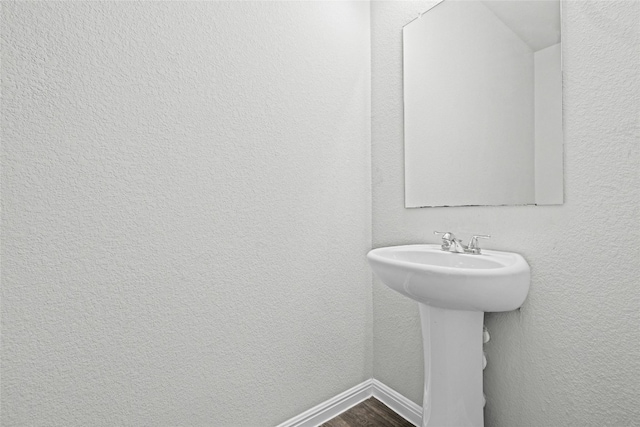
(453, 291)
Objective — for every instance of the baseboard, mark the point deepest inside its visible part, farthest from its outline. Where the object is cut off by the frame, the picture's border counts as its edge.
(402, 406)
(333, 407)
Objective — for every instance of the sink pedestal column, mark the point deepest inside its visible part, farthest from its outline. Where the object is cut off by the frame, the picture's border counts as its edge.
(452, 341)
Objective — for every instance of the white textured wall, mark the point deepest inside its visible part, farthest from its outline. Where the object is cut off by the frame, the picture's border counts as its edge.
(570, 357)
(186, 211)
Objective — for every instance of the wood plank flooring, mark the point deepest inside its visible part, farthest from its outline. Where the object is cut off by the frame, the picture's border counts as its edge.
(370, 413)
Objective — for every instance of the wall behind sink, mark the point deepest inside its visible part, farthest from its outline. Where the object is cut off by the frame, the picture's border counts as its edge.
(570, 356)
(186, 211)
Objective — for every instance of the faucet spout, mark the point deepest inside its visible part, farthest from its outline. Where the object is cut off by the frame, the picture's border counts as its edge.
(451, 244)
(457, 246)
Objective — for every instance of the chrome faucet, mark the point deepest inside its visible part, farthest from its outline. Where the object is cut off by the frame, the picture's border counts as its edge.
(452, 244)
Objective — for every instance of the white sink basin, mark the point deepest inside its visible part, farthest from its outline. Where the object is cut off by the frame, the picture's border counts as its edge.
(453, 291)
(493, 281)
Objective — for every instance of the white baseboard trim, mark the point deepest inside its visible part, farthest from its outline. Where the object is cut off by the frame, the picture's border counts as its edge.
(333, 407)
(402, 406)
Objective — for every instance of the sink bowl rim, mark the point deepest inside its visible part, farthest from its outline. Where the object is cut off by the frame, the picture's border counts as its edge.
(508, 262)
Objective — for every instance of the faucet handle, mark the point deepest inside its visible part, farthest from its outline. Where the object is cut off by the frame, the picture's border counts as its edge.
(448, 239)
(474, 245)
(446, 235)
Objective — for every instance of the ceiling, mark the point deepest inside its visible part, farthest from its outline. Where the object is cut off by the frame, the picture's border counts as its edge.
(536, 22)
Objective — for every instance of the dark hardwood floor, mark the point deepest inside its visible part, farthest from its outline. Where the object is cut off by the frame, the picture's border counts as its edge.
(370, 413)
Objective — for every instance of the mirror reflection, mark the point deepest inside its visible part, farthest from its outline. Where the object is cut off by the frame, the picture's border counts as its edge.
(483, 104)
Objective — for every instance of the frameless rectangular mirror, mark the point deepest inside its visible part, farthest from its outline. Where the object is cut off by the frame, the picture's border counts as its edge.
(483, 104)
